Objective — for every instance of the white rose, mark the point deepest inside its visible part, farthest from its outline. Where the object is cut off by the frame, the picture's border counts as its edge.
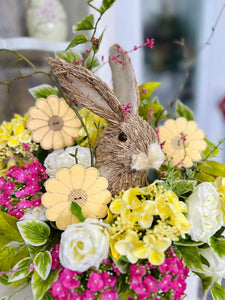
(216, 268)
(204, 212)
(84, 245)
(36, 213)
(63, 159)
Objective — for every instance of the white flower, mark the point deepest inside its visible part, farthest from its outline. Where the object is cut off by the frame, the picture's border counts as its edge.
(36, 213)
(216, 268)
(204, 212)
(84, 245)
(64, 159)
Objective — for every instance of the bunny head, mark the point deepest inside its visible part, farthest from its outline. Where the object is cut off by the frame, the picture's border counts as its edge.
(128, 146)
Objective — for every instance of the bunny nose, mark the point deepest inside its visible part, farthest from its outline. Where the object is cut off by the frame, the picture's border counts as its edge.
(152, 160)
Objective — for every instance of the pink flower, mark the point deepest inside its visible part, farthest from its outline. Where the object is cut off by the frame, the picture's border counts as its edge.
(88, 295)
(150, 43)
(76, 296)
(179, 285)
(109, 295)
(152, 283)
(18, 213)
(68, 279)
(137, 271)
(95, 282)
(58, 290)
(142, 290)
(108, 279)
(24, 203)
(166, 283)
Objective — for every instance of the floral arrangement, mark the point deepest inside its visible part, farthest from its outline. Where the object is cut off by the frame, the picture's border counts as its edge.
(73, 232)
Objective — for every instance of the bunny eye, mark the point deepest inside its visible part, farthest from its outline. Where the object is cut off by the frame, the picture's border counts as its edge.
(122, 137)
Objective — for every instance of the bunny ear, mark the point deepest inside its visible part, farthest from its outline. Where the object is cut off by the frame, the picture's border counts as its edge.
(88, 90)
(124, 80)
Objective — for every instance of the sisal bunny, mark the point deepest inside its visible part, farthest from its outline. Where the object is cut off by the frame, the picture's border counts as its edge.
(128, 146)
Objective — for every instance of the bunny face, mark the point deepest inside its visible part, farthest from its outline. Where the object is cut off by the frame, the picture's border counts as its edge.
(126, 151)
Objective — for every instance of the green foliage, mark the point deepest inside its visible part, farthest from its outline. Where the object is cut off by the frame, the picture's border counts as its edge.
(6, 258)
(86, 24)
(79, 39)
(69, 55)
(211, 150)
(76, 210)
(89, 62)
(218, 245)
(183, 111)
(40, 286)
(150, 87)
(8, 228)
(191, 256)
(218, 292)
(106, 4)
(187, 241)
(207, 281)
(43, 91)
(212, 168)
(157, 109)
(43, 262)
(34, 232)
(21, 270)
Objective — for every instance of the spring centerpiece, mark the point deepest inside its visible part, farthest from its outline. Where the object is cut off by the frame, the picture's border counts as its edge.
(103, 194)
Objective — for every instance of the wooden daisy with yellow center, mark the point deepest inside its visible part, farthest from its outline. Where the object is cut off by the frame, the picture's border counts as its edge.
(53, 123)
(80, 185)
(182, 141)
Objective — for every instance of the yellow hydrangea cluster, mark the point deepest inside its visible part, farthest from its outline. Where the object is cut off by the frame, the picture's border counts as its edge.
(14, 133)
(147, 221)
(94, 124)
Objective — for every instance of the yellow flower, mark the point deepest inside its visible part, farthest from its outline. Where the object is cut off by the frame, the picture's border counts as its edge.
(146, 212)
(53, 123)
(80, 185)
(129, 245)
(182, 141)
(156, 248)
(129, 201)
(94, 124)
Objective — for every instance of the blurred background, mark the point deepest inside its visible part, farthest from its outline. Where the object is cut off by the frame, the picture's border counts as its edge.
(187, 36)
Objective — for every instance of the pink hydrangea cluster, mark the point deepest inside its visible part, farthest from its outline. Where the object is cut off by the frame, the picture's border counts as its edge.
(171, 279)
(72, 285)
(21, 188)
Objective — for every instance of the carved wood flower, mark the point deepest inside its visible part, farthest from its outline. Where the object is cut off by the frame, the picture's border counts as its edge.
(80, 185)
(53, 123)
(182, 141)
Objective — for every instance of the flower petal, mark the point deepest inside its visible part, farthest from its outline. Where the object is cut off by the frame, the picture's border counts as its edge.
(56, 186)
(43, 105)
(100, 185)
(53, 212)
(68, 140)
(66, 218)
(38, 134)
(181, 124)
(49, 199)
(63, 107)
(58, 141)
(95, 210)
(91, 176)
(47, 140)
(64, 175)
(53, 102)
(70, 114)
(34, 124)
(101, 197)
(36, 113)
(78, 173)
(74, 122)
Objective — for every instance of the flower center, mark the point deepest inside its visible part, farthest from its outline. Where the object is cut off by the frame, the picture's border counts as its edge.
(177, 142)
(55, 123)
(79, 196)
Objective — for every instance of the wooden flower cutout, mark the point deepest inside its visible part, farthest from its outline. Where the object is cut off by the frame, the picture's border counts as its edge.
(182, 141)
(84, 186)
(53, 123)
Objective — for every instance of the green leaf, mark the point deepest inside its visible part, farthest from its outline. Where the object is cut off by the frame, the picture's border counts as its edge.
(77, 211)
(4, 279)
(21, 270)
(106, 4)
(206, 281)
(69, 55)
(43, 262)
(187, 242)
(4, 240)
(43, 91)
(6, 258)
(9, 228)
(218, 245)
(79, 39)
(34, 232)
(86, 24)
(183, 111)
(191, 256)
(89, 64)
(212, 168)
(20, 254)
(211, 150)
(218, 292)
(149, 87)
(47, 296)
(40, 286)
